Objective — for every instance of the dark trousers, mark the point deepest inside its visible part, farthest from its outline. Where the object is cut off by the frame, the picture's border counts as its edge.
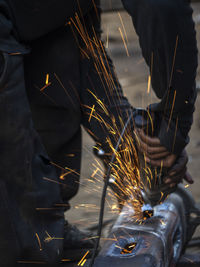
(30, 205)
(34, 192)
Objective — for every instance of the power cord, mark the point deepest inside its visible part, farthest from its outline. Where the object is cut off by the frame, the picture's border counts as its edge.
(103, 197)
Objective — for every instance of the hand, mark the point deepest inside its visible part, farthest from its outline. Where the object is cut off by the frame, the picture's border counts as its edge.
(155, 154)
(178, 172)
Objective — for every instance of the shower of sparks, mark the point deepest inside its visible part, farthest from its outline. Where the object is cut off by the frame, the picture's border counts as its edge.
(92, 110)
(126, 170)
(39, 242)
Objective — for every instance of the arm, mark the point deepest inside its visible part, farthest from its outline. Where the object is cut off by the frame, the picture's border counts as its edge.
(101, 92)
(166, 31)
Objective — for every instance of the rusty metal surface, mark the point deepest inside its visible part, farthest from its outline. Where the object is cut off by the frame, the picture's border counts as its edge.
(158, 241)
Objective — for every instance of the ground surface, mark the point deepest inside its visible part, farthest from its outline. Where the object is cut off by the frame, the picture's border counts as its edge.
(133, 75)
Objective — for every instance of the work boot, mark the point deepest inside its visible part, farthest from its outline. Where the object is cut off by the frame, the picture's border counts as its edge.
(77, 243)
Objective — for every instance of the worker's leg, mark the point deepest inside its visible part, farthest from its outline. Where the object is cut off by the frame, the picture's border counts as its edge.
(168, 41)
(30, 195)
(56, 108)
(56, 112)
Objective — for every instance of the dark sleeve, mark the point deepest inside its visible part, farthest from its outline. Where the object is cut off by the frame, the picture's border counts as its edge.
(104, 106)
(168, 42)
(35, 18)
(105, 109)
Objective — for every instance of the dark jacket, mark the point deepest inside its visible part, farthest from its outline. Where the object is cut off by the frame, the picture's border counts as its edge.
(172, 80)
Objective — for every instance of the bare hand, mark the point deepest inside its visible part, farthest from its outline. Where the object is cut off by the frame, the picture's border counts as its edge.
(155, 154)
(178, 172)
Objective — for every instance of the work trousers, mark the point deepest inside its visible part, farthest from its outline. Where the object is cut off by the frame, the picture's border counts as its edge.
(32, 215)
(35, 194)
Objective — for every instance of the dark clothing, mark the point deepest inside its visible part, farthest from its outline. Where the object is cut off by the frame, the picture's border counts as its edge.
(60, 108)
(36, 18)
(160, 24)
(24, 168)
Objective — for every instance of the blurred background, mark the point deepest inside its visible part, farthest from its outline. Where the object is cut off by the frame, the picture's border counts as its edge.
(133, 75)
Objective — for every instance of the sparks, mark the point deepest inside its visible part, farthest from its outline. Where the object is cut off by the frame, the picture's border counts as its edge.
(82, 261)
(149, 84)
(125, 45)
(92, 110)
(47, 79)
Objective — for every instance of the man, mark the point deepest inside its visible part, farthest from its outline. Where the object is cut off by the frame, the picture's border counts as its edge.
(34, 228)
(33, 225)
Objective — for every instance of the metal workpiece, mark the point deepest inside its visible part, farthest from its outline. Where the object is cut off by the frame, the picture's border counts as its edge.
(157, 241)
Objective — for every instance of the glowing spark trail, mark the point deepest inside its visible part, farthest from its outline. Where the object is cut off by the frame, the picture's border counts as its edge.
(124, 29)
(39, 242)
(125, 45)
(47, 79)
(82, 261)
(149, 84)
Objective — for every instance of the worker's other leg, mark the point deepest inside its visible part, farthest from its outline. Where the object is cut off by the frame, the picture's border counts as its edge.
(56, 107)
(52, 79)
(30, 195)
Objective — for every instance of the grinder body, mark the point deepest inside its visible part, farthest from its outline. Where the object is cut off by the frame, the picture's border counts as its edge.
(152, 178)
